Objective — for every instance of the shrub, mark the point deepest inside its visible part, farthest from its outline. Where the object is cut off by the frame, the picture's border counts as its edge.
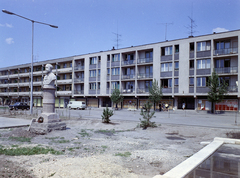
(147, 115)
(106, 115)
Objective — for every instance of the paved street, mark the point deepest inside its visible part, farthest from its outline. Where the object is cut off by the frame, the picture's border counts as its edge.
(179, 117)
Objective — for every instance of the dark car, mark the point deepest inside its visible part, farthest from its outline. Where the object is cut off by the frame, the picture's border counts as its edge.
(19, 105)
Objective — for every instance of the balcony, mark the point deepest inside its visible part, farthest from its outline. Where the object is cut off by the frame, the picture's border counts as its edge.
(128, 91)
(145, 60)
(128, 77)
(142, 90)
(232, 88)
(78, 80)
(65, 81)
(79, 68)
(145, 75)
(78, 92)
(64, 93)
(226, 70)
(167, 90)
(225, 51)
(65, 70)
(128, 62)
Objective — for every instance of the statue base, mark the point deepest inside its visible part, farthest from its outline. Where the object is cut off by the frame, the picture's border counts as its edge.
(45, 123)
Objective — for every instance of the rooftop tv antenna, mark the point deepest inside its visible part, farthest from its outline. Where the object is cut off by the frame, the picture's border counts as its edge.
(192, 25)
(166, 25)
(118, 37)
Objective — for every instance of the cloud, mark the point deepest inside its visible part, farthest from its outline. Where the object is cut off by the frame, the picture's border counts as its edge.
(9, 25)
(6, 25)
(219, 29)
(9, 41)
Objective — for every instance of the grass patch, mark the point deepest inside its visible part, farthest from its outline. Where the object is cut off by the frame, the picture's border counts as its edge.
(104, 147)
(28, 151)
(125, 154)
(20, 139)
(51, 138)
(61, 141)
(73, 148)
(52, 174)
(14, 146)
(84, 133)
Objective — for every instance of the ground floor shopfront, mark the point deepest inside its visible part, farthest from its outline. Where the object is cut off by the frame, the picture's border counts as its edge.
(230, 103)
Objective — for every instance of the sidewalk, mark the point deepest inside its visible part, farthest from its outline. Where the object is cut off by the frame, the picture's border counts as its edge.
(6, 122)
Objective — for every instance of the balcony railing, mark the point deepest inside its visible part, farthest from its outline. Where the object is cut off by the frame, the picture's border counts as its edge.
(142, 90)
(225, 51)
(226, 70)
(145, 75)
(232, 88)
(78, 80)
(128, 91)
(145, 60)
(128, 62)
(78, 92)
(79, 68)
(128, 76)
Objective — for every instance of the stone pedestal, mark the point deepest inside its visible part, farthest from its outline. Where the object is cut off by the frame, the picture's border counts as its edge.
(48, 120)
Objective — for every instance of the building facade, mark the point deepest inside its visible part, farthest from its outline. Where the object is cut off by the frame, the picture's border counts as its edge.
(181, 67)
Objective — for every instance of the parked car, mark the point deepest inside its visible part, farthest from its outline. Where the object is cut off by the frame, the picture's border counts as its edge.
(19, 105)
(76, 105)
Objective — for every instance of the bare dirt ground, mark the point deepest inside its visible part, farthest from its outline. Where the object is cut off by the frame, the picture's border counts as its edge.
(92, 149)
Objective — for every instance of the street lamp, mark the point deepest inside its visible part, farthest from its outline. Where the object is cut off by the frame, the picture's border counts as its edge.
(33, 21)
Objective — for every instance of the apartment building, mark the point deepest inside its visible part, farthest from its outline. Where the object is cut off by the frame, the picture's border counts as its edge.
(181, 67)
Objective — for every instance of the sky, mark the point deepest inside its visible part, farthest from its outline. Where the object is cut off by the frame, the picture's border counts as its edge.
(88, 26)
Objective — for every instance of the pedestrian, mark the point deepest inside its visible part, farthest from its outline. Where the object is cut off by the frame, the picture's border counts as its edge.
(183, 106)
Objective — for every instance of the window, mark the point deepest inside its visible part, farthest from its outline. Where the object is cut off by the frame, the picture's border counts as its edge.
(167, 51)
(203, 63)
(222, 45)
(99, 85)
(115, 57)
(64, 76)
(201, 81)
(108, 85)
(203, 46)
(108, 71)
(165, 67)
(99, 72)
(115, 85)
(148, 70)
(92, 86)
(166, 83)
(70, 64)
(64, 65)
(221, 63)
(176, 49)
(191, 64)
(93, 60)
(191, 46)
(129, 57)
(149, 55)
(70, 76)
(191, 81)
(116, 71)
(92, 73)
(176, 67)
(176, 81)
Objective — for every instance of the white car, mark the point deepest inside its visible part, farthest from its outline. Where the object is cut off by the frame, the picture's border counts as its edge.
(76, 105)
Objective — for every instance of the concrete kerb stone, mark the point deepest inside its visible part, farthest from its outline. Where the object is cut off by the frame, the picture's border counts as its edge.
(194, 161)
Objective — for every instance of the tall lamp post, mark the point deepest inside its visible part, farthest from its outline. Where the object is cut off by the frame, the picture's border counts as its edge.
(33, 21)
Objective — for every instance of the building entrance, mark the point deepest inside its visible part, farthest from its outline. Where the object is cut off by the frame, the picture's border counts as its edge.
(189, 102)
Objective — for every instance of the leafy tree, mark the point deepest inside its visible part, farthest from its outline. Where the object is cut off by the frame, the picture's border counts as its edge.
(116, 97)
(155, 93)
(147, 115)
(217, 89)
(106, 115)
